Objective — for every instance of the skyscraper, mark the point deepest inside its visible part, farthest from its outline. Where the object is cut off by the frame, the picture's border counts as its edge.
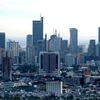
(37, 31)
(51, 45)
(69, 59)
(92, 48)
(73, 40)
(80, 58)
(57, 41)
(98, 45)
(6, 68)
(49, 63)
(99, 35)
(40, 46)
(29, 49)
(2, 40)
(14, 47)
(64, 45)
(2, 54)
(29, 40)
(29, 54)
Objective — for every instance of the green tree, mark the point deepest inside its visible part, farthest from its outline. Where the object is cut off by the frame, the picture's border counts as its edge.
(64, 97)
(70, 97)
(77, 99)
(51, 97)
(17, 97)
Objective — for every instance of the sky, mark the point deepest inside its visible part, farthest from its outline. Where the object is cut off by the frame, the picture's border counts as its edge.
(16, 18)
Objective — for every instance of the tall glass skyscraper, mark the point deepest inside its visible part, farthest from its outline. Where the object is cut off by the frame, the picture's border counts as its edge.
(29, 40)
(2, 40)
(73, 40)
(37, 31)
(92, 48)
(99, 35)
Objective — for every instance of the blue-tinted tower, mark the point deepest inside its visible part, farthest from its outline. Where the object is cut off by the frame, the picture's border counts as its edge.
(2, 40)
(37, 31)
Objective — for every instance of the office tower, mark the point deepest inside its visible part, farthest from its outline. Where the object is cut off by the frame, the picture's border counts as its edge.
(29, 54)
(22, 56)
(6, 68)
(54, 86)
(57, 41)
(73, 40)
(2, 54)
(51, 45)
(69, 59)
(37, 31)
(29, 49)
(29, 40)
(98, 49)
(2, 40)
(40, 46)
(81, 49)
(35, 54)
(49, 63)
(99, 35)
(98, 45)
(64, 45)
(63, 56)
(14, 47)
(80, 58)
(92, 48)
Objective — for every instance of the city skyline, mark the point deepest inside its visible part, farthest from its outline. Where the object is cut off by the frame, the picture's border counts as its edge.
(58, 15)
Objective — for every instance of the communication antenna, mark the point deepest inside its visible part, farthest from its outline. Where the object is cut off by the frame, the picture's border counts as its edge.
(58, 34)
(55, 32)
(46, 36)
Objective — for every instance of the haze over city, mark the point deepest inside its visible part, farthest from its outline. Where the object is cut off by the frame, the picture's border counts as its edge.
(17, 15)
(49, 50)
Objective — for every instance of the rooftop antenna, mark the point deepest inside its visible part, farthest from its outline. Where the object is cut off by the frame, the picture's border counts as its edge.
(45, 36)
(58, 34)
(55, 32)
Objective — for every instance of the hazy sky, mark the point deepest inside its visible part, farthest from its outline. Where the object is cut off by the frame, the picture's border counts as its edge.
(16, 17)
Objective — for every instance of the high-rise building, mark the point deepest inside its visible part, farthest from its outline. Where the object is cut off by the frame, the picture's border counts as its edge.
(2, 54)
(2, 40)
(6, 68)
(73, 40)
(57, 41)
(29, 54)
(49, 63)
(64, 45)
(81, 49)
(14, 47)
(40, 46)
(92, 48)
(51, 45)
(29, 49)
(69, 59)
(99, 35)
(29, 40)
(98, 45)
(22, 56)
(98, 49)
(37, 31)
(80, 58)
